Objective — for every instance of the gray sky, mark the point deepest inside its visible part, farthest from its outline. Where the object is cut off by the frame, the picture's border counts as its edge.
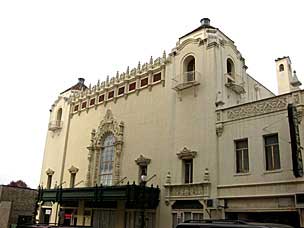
(46, 45)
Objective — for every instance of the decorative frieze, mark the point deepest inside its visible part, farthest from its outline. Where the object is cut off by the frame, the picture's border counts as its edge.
(197, 191)
(257, 108)
(122, 80)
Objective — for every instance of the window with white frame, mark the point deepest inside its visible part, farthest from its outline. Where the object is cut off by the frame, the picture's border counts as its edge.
(241, 155)
(107, 160)
(188, 171)
(272, 152)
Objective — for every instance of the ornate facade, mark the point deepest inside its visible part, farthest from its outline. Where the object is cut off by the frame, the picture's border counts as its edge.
(189, 135)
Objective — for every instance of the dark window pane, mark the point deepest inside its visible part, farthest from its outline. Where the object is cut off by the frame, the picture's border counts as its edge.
(110, 94)
(268, 158)
(101, 98)
(144, 82)
(238, 161)
(276, 155)
(76, 108)
(132, 86)
(121, 90)
(246, 160)
(92, 101)
(157, 77)
(272, 139)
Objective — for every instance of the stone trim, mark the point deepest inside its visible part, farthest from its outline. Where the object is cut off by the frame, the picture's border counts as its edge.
(142, 161)
(73, 170)
(109, 125)
(186, 154)
(49, 172)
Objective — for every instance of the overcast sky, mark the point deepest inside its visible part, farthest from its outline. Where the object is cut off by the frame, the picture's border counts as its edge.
(46, 45)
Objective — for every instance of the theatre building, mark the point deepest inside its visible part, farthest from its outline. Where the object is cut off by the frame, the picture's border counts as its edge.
(188, 135)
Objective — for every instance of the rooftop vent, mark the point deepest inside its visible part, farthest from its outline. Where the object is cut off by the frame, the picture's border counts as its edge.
(205, 22)
(81, 80)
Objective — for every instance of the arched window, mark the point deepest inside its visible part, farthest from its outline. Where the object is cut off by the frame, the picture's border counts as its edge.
(107, 160)
(59, 115)
(230, 68)
(281, 67)
(189, 69)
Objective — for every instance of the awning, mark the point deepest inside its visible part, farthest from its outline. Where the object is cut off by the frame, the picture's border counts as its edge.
(135, 196)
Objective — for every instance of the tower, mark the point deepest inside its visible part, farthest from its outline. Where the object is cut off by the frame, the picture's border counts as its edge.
(286, 81)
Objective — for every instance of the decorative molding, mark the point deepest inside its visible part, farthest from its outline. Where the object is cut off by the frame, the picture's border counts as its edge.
(186, 154)
(73, 170)
(257, 108)
(194, 191)
(49, 172)
(122, 79)
(142, 161)
(179, 46)
(109, 125)
(219, 129)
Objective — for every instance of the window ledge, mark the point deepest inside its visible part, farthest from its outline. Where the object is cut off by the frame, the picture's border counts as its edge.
(273, 171)
(242, 174)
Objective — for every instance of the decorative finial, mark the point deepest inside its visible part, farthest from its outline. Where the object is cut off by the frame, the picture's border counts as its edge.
(168, 178)
(98, 83)
(151, 60)
(206, 175)
(117, 75)
(128, 70)
(138, 66)
(164, 55)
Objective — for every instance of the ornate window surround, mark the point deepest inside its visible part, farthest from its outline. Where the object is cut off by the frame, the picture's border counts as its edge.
(186, 153)
(109, 125)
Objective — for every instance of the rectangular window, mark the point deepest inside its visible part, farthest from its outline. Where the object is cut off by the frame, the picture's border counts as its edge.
(188, 171)
(272, 152)
(143, 82)
(156, 77)
(132, 86)
(121, 90)
(76, 107)
(49, 182)
(92, 101)
(241, 154)
(101, 98)
(84, 105)
(72, 180)
(111, 94)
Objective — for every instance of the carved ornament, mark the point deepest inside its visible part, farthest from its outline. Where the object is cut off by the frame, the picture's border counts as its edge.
(219, 129)
(257, 108)
(73, 170)
(109, 125)
(49, 172)
(186, 154)
(142, 161)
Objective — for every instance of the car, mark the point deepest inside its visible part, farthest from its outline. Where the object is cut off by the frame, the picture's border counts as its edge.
(223, 223)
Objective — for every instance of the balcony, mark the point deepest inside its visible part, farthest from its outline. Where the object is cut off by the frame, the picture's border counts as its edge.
(55, 125)
(233, 85)
(186, 80)
(193, 191)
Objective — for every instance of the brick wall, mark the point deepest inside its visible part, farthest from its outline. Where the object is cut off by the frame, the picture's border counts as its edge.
(22, 201)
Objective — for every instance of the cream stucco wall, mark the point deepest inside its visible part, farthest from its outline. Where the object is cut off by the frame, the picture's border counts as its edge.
(162, 119)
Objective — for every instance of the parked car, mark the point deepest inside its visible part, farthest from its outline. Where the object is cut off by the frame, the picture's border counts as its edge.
(210, 223)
